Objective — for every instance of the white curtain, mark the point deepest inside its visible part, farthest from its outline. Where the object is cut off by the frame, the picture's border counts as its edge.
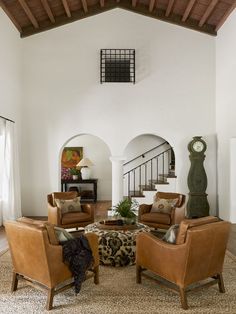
(10, 203)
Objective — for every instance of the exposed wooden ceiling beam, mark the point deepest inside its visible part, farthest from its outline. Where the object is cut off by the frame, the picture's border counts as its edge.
(85, 5)
(102, 3)
(169, 7)
(66, 7)
(151, 5)
(160, 14)
(208, 12)
(48, 10)
(62, 20)
(134, 3)
(225, 16)
(29, 13)
(188, 9)
(11, 17)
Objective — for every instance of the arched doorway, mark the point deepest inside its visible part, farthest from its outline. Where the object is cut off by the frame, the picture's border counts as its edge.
(150, 162)
(96, 150)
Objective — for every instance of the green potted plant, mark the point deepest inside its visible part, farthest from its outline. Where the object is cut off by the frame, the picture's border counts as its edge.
(75, 173)
(125, 209)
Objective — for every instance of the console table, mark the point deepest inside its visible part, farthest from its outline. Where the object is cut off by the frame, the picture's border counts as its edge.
(64, 187)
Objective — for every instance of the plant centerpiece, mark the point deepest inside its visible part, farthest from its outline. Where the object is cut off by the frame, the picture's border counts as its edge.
(125, 210)
(75, 173)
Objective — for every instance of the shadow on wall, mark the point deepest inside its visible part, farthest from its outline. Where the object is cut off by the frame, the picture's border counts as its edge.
(92, 147)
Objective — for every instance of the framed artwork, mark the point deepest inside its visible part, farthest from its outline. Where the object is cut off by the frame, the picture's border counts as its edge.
(69, 159)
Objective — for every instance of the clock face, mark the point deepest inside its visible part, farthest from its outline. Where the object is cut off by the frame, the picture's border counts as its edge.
(198, 146)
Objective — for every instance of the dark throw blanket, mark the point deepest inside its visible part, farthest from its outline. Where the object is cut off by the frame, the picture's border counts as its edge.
(78, 255)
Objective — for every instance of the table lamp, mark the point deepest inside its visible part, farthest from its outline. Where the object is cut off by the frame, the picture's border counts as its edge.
(85, 163)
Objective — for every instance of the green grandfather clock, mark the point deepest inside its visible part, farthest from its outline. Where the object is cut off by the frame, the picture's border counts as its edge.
(197, 205)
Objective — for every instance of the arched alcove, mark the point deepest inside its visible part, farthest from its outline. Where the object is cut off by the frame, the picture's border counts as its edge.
(94, 148)
(149, 160)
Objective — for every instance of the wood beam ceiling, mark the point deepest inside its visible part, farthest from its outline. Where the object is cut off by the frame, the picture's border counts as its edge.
(169, 7)
(173, 18)
(151, 5)
(85, 5)
(48, 10)
(134, 3)
(171, 11)
(29, 13)
(225, 16)
(188, 9)
(208, 11)
(66, 8)
(11, 17)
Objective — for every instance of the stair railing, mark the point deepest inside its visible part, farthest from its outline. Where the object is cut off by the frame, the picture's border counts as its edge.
(163, 160)
(145, 153)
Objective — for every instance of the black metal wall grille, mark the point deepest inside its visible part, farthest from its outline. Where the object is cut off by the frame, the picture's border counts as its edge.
(117, 65)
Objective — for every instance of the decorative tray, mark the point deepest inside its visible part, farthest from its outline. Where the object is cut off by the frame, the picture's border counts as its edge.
(116, 225)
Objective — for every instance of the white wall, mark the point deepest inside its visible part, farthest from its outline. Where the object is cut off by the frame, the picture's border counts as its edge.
(226, 113)
(10, 69)
(173, 98)
(98, 152)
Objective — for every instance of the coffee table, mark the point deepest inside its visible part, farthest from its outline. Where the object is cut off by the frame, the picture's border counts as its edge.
(117, 244)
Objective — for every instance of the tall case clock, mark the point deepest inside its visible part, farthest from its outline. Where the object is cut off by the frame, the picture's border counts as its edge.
(197, 205)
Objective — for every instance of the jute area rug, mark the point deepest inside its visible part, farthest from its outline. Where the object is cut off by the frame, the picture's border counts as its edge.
(117, 293)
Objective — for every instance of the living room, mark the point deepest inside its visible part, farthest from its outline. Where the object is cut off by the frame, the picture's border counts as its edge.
(50, 88)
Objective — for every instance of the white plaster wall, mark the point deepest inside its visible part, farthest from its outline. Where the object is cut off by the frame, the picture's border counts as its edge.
(10, 69)
(226, 113)
(98, 152)
(173, 97)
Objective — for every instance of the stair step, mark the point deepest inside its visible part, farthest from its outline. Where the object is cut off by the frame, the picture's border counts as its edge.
(147, 187)
(158, 182)
(168, 175)
(136, 194)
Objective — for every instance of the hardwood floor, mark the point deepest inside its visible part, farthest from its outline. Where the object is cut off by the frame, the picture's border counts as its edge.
(101, 213)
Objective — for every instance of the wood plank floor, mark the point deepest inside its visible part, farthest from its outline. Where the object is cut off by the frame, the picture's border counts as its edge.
(101, 213)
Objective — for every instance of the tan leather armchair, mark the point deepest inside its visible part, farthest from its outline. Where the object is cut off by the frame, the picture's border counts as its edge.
(40, 263)
(70, 219)
(161, 220)
(198, 255)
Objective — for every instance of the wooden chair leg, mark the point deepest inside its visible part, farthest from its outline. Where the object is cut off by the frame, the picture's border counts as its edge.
(221, 283)
(138, 274)
(14, 282)
(96, 275)
(50, 299)
(183, 298)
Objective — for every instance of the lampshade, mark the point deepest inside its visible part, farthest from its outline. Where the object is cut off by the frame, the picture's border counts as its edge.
(85, 162)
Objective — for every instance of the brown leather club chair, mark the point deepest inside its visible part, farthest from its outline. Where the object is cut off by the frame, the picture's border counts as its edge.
(70, 219)
(163, 220)
(197, 255)
(39, 262)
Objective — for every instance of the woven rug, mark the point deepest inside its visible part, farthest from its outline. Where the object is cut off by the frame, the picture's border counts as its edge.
(117, 293)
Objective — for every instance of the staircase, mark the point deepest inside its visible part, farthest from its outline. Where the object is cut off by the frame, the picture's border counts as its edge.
(152, 171)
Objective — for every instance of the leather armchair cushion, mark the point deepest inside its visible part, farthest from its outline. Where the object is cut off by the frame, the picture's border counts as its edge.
(68, 205)
(63, 196)
(154, 217)
(162, 205)
(73, 217)
(189, 223)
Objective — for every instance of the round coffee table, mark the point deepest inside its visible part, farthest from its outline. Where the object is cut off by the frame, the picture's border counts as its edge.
(117, 244)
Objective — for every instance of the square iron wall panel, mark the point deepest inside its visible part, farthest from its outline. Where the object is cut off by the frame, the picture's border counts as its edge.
(117, 66)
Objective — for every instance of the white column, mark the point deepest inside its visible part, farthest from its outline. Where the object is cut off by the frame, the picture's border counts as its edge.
(117, 178)
(232, 171)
